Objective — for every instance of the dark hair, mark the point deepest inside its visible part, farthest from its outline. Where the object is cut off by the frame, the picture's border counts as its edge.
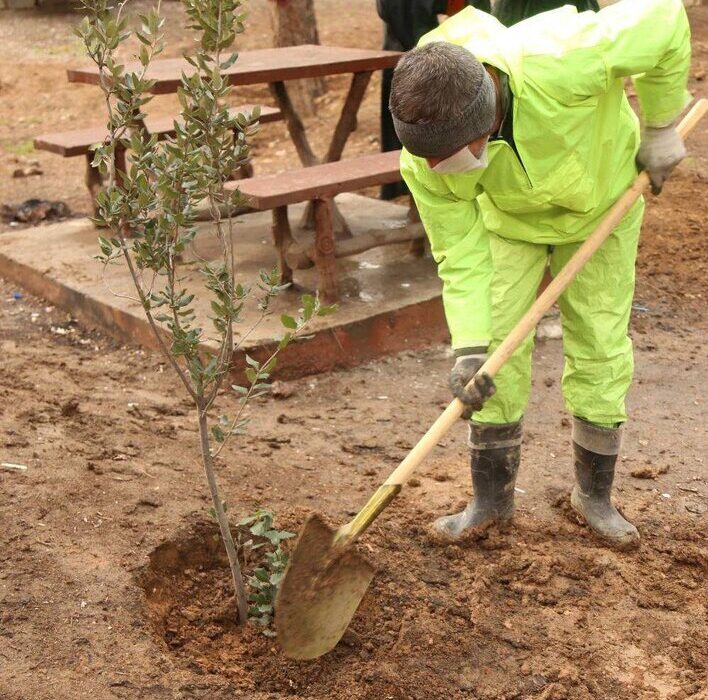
(435, 82)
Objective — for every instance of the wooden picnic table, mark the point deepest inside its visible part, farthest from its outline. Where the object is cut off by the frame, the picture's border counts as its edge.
(274, 67)
(261, 66)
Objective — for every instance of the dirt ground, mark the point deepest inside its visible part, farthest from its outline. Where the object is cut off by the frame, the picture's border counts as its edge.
(541, 610)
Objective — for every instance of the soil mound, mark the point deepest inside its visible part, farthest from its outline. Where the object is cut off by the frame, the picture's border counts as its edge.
(540, 610)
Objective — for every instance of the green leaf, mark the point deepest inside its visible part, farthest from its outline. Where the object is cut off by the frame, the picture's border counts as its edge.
(288, 321)
(218, 433)
(105, 244)
(143, 55)
(327, 310)
(229, 61)
(261, 574)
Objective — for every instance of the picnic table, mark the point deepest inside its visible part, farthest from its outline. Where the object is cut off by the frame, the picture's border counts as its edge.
(275, 67)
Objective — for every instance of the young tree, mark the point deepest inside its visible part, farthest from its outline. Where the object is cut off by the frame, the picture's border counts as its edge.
(150, 210)
(294, 23)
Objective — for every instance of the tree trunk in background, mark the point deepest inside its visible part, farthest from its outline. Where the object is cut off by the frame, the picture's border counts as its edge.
(294, 23)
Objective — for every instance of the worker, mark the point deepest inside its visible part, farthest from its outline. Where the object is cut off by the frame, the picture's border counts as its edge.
(510, 12)
(405, 21)
(517, 142)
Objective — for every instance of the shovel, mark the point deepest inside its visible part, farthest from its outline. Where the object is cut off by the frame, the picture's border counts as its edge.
(326, 577)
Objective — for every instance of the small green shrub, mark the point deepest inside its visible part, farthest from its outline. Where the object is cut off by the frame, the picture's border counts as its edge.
(263, 584)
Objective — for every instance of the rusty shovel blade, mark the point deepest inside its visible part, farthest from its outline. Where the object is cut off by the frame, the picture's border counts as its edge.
(320, 592)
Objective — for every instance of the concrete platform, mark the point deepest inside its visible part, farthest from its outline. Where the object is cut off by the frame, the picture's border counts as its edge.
(390, 300)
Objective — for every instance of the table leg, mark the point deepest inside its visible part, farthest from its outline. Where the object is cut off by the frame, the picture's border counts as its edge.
(345, 126)
(325, 259)
(339, 223)
(283, 239)
(294, 124)
(307, 156)
(348, 118)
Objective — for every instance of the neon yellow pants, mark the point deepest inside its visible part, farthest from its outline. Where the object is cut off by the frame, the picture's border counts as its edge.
(595, 312)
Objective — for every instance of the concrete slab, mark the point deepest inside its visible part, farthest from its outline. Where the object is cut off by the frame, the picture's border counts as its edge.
(390, 299)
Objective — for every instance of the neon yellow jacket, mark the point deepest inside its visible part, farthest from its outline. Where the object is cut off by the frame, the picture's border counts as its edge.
(574, 129)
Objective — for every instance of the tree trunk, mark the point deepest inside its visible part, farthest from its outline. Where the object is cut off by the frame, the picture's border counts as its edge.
(294, 23)
(222, 519)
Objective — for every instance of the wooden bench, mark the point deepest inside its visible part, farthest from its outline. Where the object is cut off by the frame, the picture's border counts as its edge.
(319, 184)
(78, 142)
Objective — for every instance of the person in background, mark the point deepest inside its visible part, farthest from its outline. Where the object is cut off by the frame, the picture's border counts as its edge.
(405, 23)
(510, 12)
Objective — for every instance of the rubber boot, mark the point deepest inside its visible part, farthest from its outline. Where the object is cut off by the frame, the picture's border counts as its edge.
(596, 449)
(495, 452)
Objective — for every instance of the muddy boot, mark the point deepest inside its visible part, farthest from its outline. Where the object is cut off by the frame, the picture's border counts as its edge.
(495, 451)
(596, 451)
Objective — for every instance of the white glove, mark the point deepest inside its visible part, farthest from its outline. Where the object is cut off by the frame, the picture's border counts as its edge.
(660, 151)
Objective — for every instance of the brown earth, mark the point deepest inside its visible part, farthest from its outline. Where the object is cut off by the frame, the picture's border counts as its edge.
(541, 610)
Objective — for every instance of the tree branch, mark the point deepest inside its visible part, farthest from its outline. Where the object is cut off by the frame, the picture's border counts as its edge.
(156, 331)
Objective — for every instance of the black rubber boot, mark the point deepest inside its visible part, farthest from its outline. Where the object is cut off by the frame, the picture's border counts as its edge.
(596, 449)
(495, 452)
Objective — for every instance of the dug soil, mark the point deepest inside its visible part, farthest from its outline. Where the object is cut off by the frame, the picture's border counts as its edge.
(112, 584)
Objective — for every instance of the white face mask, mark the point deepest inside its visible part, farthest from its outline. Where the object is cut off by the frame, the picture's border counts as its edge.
(462, 162)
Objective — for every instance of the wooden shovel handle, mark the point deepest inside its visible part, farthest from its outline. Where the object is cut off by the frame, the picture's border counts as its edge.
(387, 492)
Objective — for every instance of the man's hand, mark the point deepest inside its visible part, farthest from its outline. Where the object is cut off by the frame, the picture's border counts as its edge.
(468, 361)
(660, 151)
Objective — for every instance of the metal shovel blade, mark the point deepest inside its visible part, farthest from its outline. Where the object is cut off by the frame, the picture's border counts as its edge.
(320, 592)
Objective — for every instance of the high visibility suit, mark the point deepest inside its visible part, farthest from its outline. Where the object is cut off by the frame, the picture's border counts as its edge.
(565, 158)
